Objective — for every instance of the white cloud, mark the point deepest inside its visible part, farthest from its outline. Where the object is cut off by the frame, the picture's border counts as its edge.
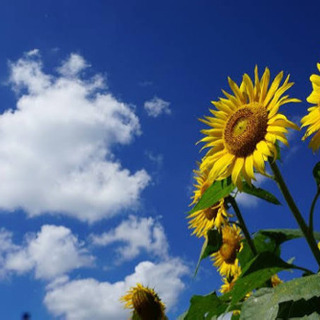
(52, 252)
(6, 246)
(88, 299)
(73, 65)
(135, 235)
(56, 145)
(156, 106)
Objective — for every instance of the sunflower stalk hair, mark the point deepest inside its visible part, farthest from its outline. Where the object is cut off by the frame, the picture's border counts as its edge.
(308, 234)
(243, 226)
(314, 201)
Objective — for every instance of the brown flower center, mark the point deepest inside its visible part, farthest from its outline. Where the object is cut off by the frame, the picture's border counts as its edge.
(212, 212)
(245, 128)
(229, 251)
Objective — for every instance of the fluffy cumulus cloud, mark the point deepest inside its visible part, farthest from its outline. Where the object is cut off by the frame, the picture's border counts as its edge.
(135, 235)
(156, 106)
(56, 144)
(69, 298)
(52, 252)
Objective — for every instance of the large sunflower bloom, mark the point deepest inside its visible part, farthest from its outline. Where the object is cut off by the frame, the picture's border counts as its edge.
(145, 302)
(226, 258)
(245, 127)
(312, 119)
(204, 220)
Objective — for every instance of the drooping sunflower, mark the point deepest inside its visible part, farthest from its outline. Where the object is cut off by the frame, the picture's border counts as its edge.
(145, 302)
(245, 127)
(312, 119)
(204, 220)
(226, 258)
(229, 281)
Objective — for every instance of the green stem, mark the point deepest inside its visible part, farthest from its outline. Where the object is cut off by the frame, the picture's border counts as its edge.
(294, 209)
(312, 209)
(243, 225)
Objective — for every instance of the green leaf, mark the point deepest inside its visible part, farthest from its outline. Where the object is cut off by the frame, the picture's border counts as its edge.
(256, 273)
(217, 191)
(282, 235)
(268, 303)
(260, 193)
(211, 244)
(262, 243)
(316, 173)
(205, 307)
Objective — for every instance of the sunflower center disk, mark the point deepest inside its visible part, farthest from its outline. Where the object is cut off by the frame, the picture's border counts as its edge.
(229, 252)
(211, 213)
(244, 129)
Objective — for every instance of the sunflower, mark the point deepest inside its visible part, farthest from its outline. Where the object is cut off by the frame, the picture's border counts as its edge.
(145, 302)
(229, 281)
(312, 119)
(204, 220)
(226, 258)
(245, 127)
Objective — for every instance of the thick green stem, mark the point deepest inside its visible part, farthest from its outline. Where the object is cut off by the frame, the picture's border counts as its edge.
(294, 209)
(312, 209)
(243, 225)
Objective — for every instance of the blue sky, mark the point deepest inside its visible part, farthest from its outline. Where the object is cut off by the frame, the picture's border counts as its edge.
(99, 106)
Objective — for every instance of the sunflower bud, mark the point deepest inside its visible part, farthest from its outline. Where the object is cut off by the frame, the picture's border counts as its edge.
(145, 303)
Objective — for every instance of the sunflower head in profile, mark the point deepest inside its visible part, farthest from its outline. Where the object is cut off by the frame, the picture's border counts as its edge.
(204, 220)
(226, 258)
(145, 303)
(245, 127)
(312, 119)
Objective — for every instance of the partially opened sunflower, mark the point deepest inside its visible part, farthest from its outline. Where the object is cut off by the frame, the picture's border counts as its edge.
(312, 119)
(245, 127)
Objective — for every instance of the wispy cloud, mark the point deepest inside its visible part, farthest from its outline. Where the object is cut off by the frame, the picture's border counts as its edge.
(156, 106)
